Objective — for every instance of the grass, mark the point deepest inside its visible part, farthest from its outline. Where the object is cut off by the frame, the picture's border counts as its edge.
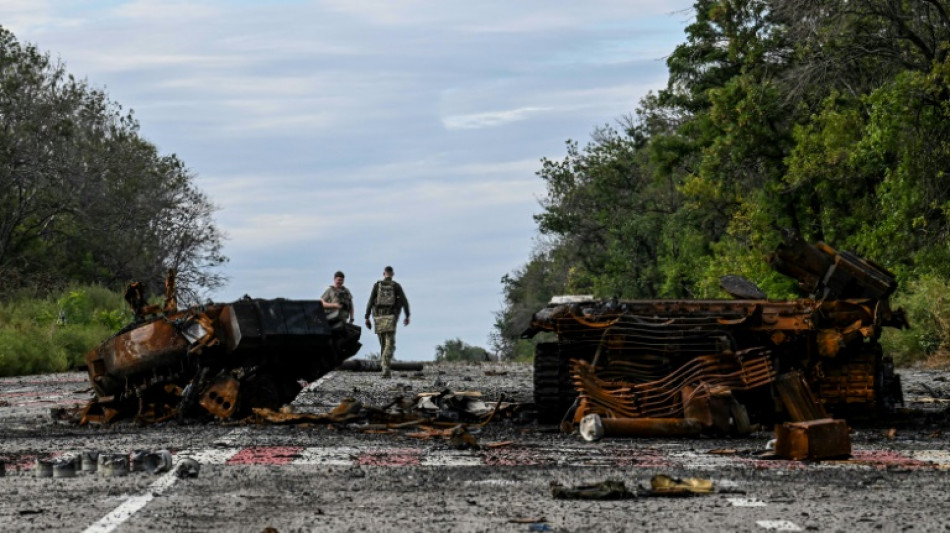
(53, 334)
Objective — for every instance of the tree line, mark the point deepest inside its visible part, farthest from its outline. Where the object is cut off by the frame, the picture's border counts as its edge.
(826, 120)
(84, 198)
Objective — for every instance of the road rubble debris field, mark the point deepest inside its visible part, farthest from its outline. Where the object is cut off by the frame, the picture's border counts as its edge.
(678, 415)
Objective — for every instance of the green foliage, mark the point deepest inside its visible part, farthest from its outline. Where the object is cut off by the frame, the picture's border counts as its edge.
(30, 351)
(83, 197)
(826, 120)
(523, 351)
(927, 303)
(455, 350)
(34, 338)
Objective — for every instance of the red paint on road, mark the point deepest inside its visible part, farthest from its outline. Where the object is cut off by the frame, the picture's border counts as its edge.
(882, 459)
(266, 455)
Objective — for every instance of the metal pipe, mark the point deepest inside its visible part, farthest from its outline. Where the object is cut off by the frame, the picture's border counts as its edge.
(593, 427)
(365, 365)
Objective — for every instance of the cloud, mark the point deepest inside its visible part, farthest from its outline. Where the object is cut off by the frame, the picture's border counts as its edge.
(341, 134)
(489, 119)
(159, 11)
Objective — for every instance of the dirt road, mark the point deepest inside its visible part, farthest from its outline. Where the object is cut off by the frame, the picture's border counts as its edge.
(321, 478)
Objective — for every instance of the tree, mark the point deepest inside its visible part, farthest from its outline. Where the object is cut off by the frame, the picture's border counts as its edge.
(83, 197)
(454, 350)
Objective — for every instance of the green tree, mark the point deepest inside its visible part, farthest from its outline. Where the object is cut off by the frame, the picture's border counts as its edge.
(454, 350)
(83, 197)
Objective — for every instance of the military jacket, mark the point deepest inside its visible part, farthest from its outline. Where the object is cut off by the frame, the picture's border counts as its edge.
(339, 296)
(401, 302)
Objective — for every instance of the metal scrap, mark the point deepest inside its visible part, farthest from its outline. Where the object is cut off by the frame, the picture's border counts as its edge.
(815, 439)
(726, 363)
(221, 360)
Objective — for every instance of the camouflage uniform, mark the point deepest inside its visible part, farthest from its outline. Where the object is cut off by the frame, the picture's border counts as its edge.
(339, 296)
(386, 317)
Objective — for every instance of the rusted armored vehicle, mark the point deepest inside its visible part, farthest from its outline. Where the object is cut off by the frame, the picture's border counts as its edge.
(218, 359)
(727, 363)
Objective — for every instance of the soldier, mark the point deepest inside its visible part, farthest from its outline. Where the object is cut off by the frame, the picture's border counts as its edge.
(385, 302)
(339, 300)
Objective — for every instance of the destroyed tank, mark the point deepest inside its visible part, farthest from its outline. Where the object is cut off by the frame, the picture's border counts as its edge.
(729, 363)
(219, 359)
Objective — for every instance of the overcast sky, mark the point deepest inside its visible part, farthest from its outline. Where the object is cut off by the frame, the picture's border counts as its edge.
(352, 134)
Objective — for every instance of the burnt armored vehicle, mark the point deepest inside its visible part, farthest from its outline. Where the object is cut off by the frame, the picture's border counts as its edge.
(219, 359)
(726, 363)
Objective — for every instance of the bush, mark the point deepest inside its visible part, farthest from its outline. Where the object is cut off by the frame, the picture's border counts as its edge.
(29, 351)
(457, 350)
(35, 339)
(77, 340)
(926, 301)
(523, 351)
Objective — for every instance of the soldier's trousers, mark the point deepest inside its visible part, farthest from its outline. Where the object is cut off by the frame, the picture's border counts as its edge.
(387, 347)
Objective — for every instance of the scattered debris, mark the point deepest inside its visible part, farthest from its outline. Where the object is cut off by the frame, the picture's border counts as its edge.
(816, 439)
(604, 490)
(663, 485)
(89, 461)
(187, 467)
(43, 468)
(461, 439)
(158, 462)
(592, 427)
(113, 464)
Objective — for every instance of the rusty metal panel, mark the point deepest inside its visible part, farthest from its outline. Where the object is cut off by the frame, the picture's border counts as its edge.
(221, 397)
(815, 439)
(799, 402)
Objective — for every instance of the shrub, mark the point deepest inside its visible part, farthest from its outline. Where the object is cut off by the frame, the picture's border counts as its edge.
(34, 339)
(926, 301)
(29, 351)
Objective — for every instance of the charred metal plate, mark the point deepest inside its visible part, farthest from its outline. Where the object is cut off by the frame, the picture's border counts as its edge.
(221, 398)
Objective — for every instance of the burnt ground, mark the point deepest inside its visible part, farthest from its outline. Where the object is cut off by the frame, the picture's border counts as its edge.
(335, 478)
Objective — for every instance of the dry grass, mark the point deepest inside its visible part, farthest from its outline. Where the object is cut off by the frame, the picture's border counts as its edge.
(940, 360)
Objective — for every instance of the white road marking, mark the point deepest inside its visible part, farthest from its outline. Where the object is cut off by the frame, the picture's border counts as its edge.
(938, 457)
(778, 525)
(316, 384)
(703, 461)
(134, 504)
(450, 458)
(746, 502)
(336, 456)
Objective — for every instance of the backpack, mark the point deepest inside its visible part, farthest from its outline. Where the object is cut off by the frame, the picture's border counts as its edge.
(385, 294)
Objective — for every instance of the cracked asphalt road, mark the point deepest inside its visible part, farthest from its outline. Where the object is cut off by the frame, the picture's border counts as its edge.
(321, 478)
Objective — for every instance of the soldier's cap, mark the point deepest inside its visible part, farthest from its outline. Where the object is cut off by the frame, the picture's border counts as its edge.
(388, 269)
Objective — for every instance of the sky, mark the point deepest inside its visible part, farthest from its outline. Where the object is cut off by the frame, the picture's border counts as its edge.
(354, 134)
